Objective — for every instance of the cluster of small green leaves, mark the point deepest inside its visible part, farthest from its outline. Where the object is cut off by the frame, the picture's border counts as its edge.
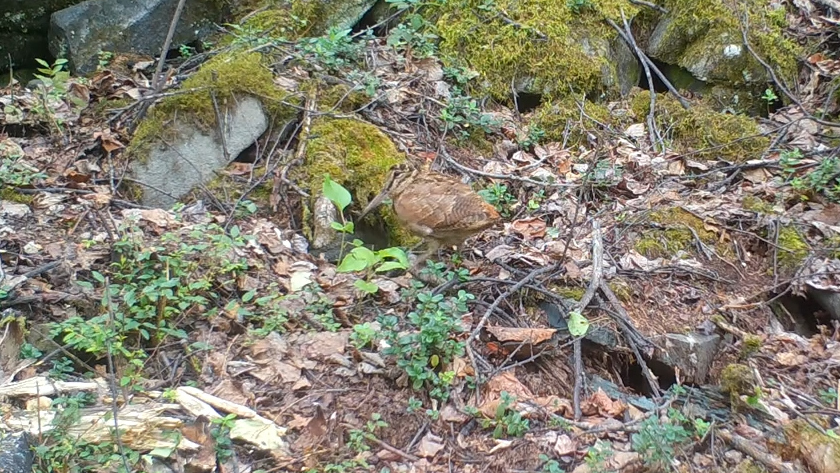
(506, 422)
(499, 197)
(360, 438)
(657, 441)
(335, 50)
(463, 116)
(424, 343)
(578, 6)
(14, 172)
(823, 179)
(149, 289)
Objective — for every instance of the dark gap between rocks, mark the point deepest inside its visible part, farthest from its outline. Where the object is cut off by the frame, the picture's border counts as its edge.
(526, 102)
(632, 377)
(802, 315)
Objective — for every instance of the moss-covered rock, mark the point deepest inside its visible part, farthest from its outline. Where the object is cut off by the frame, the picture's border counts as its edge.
(703, 131)
(224, 77)
(541, 46)
(292, 19)
(358, 156)
(679, 233)
(708, 41)
(794, 249)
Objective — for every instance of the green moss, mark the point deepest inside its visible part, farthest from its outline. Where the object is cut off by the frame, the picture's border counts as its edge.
(332, 98)
(224, 76)
(755, 204)
(552, 117)
(738, 380)
(678, 236)
(569, 292)
(707, 133)
(794, 249)
(752, 344)
(358, 156)
(12, 195)
(699, 33)
(540, 40)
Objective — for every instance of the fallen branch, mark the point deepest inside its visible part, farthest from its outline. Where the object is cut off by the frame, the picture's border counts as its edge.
(594, 283)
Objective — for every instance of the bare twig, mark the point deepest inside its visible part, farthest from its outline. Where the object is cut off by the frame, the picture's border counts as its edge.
(643, 57)
(594, 283)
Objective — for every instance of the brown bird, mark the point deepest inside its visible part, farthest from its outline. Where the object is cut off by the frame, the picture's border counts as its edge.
(439, 208)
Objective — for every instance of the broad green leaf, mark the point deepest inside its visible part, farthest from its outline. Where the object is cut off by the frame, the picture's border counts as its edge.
(366, 286)
(396, 253)
(578, 324)
(351, 263)
(337, 194)
(389, 265)
(357, 260)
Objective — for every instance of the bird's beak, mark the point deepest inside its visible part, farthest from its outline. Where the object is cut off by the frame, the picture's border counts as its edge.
(374, 203)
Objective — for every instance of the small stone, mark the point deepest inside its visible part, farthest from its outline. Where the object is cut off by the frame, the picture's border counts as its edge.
(32, 248)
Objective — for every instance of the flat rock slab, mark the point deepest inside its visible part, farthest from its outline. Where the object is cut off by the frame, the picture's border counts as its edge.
(173, 169)
(82, 31)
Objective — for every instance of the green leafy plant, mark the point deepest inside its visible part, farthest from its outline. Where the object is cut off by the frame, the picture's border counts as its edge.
(149, 288)
(463, 115)
(360, 258)
(534, 137)
(550, 465)
(334, 51)
(413, 37)
(657, 441)
(507, 422)
(598, 456)
(359, 438)
(578, 6)
(828, 396)
(425, 345)
(498, 196)
(363, 335)
(15, 172)
(221, 435)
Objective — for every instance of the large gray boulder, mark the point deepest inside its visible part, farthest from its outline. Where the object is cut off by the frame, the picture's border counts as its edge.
(173, 168)
(82, 31)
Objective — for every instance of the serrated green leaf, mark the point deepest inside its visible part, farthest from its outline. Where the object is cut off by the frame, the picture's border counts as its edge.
(578, 324)
(337, 194)
(366, 286)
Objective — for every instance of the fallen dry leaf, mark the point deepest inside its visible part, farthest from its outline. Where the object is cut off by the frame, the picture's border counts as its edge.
(529, 228)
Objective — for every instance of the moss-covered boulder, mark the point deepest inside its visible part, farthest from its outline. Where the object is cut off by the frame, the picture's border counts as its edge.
(540, 46)
(180, 144)
(358, 156)
(292, 19)
(708, 41)
(702, 131)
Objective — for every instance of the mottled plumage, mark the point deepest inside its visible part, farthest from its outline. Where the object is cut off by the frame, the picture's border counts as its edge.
(441, 209)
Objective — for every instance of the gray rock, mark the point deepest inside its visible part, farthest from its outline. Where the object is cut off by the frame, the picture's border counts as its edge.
(15, 453)
(82, 31)
(172, 169)
(692, 354)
